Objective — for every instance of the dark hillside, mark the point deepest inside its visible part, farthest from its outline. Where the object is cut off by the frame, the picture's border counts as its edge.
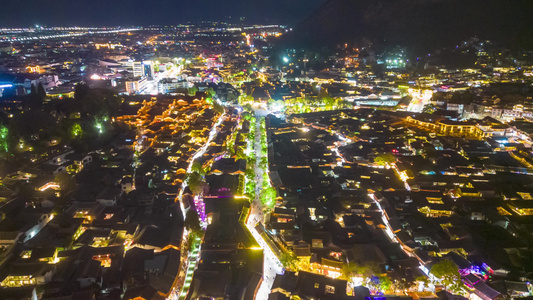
(420, 25)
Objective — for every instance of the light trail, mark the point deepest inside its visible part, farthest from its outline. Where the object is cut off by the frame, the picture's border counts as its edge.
(55, 36)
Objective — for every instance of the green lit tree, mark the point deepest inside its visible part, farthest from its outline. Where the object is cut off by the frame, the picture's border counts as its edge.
(218, 108)
(248, 107)
(192, 91)
(289, 260)
(4, 137)
(196, 182)
(403, 284)
(268, 196)
(448, 273)
(385, 284)
(197, 168)
(263, 163)
(422, 279)
(385, 158)
(246, 116)
(240, 153)
(350, 270)
(211, 92)
(76, 131)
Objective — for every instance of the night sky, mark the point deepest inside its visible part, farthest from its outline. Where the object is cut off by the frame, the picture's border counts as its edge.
(149, 12)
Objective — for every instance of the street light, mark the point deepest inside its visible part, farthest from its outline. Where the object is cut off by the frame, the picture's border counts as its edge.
(99, 127)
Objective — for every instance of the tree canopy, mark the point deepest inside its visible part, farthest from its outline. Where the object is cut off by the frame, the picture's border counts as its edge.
(196, 182)
(192, 221)
(385, 158)
(289, 260)
(448, 272)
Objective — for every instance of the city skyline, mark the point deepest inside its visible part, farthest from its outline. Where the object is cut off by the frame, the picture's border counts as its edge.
(157, 12)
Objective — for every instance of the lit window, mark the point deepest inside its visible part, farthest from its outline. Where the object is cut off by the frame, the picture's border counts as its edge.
(330, 289)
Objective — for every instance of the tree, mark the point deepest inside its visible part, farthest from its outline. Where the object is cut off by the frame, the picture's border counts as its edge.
(76, 131)
(240, 153)
(41, 92)
(289, 260)
(422, 279)
(271, 102)
(35, 100)
(263, 163)
(350, 270)
(247, 107)
(403, 284)
(246, 116)
(192, 91)
(211, 92)
(4, 136)
(328, 102)
(80, 91)
(462, 97)
(218, 108)
(385, 158)
(197, 167)
(385, 283)
(192, 221)
(196, 182)
(33, 89)
(448, 273)
(268, 196)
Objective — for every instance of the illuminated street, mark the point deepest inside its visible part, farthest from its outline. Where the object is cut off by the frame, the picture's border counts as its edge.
(89, 32)
(191, 257)
(271, 264)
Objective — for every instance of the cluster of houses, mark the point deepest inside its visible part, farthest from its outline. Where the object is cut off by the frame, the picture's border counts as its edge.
(105, 223)
(365, 187)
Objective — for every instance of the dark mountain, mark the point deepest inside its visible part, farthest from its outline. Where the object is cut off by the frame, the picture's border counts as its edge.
(420, 25)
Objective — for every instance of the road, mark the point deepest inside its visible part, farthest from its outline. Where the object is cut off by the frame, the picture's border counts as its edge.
(152, 86)
(57, 36)
(388, 228)
(420, 99)
(271, 264)
(190, 258)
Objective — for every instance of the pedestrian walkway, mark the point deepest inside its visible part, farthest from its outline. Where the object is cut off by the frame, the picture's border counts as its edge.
(192, 261)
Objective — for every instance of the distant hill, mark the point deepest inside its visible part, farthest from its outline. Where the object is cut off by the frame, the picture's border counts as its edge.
(420, 25)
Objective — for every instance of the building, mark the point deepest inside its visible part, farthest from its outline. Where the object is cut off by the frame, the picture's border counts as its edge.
(136, 85)
(447, 127)
(139, 68)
